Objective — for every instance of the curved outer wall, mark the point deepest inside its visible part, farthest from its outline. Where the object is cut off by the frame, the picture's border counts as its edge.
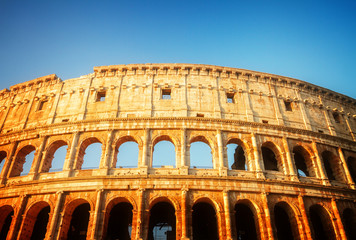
(216, 105)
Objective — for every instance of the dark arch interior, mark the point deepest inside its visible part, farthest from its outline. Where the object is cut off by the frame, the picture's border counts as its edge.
(283, 224)
(327, 158)
(79, 223)
(302, 169)
(204, 222)
(6, 225)
(245, 223)
(40, 227)
(321, 224)
(162, 223)
(349, 221)
(239, 159)
(351, 163)
(269, 159)
(120, 222)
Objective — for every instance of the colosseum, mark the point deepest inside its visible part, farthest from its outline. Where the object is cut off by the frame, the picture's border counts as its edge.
(181, 151)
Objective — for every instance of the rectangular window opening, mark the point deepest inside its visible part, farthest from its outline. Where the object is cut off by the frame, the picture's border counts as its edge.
(100, 96)
(264, 121)
(320, 131)
(200, 115)
(42, 105)
(230, 97)
(166, 94)
(288, 106)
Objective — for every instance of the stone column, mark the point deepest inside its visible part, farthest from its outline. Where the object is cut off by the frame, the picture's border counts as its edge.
(227, 215)
(352, 133)
(51, 233)
(303, 111)
(267, 215)
(320, 164)
(141, 193)
(304, 217)
(37, 159)
(9, 159)
(278, 113)
(184, 214)
(17, 219)
(340, 227)
(70, 159)
(105, 160)
(256, 154)
(291, 170)
(222, 168)
(183, 164)
(144, 164)
(96, 214)
(346, 169)
(249, 111)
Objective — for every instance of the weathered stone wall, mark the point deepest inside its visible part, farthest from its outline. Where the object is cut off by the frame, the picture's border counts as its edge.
(212, 104)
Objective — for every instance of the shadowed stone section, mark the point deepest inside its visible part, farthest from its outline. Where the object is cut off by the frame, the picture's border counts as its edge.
(321, 223)
(204, 222)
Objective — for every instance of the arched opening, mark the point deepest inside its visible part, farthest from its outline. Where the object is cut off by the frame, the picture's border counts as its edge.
(351, 164)
(55, 157)
(236, 157)
(331, 165)
(127, 155)
(200, 154)
(321, 225)
(162, 223)
(36, 219)
(164, 153)
(24, 159)
(269, 158)
(40, 228)
(349, 221)
(6, 214)
(89, 154)
(245, 222)
(205, 225)
(2, 160)
(120, 222)
(303, 162)
(283, 223)
(79, 223)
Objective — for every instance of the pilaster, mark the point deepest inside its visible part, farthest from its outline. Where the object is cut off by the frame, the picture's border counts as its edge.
(227, 215)
(8, 162)
(340, 227)
(304, 217)
(140, 206)
(222, 168)
(70, 160)
(16, 221)
(184, 214)
(346, 169)
(96, 215)
(291, 170)
(51, 233)
(256, 154)
(267, 215)
(320, 164)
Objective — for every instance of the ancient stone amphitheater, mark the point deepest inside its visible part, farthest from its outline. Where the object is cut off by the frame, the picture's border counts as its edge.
(281, 160)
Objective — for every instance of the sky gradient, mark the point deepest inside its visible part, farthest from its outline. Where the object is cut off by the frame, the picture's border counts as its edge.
(314, 41)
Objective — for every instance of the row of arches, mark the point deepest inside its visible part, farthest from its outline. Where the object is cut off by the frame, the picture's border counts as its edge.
(163, 221)
(128, 152)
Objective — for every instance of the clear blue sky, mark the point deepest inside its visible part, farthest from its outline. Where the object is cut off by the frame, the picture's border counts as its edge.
(314, 41)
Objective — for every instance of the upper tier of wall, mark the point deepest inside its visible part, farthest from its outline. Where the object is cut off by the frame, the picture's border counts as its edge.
(136, 91)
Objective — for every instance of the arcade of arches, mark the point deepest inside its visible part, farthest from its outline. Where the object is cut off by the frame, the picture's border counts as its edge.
(240, 193)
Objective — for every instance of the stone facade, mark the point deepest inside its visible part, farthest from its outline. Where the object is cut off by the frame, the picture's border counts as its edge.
(284, 126)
